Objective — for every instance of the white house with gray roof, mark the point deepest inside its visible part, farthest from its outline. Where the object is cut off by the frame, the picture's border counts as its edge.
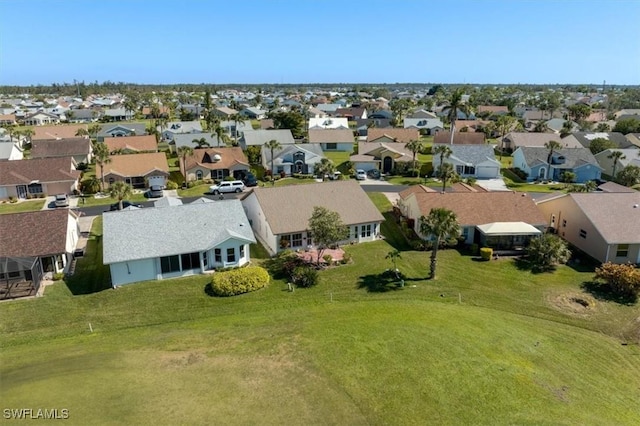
(478, 161)
(260, 137)
(175, 241)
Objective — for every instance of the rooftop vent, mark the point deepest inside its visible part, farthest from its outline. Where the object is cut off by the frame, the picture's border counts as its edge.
(217, 158)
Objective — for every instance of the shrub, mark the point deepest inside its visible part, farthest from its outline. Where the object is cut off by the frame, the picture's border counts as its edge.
(623, 279)
(229, 178)
(239, 281)
(346, 258)
(426, 169)
(304, 276)
(486, 253)
(58, 277)
(328, 259)
(171, 185)
(191, 184)
(13, 200)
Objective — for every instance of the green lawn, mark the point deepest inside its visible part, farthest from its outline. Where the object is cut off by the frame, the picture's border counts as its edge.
(485, 343)
(22, 206)
(93, 201)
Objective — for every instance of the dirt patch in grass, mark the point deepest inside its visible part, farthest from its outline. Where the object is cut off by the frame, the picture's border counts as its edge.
(573, 303)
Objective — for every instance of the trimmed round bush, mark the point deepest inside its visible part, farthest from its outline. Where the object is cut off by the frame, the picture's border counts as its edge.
(486, 253)
(239, 281)
(304, 276)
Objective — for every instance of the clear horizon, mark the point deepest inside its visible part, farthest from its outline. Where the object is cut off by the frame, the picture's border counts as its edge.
(288, 42)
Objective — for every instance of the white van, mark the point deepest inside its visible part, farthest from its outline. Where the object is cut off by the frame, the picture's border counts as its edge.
(227, 186)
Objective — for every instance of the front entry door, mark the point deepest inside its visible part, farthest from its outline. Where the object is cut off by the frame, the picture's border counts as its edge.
(387, 164)
(22, 191)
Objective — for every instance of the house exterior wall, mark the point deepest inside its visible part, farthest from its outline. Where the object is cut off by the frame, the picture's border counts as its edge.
(487, 169)
(134, 271)
(366, 166)
(586, 173)
(519, 162)
(259, 224)
(347, 147)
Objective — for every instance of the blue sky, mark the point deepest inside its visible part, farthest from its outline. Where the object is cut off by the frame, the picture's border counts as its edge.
(300, 41)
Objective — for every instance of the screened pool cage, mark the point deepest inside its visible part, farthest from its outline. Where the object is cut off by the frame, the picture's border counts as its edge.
(19, 277)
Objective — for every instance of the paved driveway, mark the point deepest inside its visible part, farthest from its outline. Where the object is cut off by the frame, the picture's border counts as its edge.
(493, 184)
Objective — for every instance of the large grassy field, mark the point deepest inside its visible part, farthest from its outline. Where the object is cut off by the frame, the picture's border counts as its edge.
(484, 343)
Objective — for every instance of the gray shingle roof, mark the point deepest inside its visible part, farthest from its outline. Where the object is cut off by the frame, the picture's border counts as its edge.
(574, 157)
(585, 138)
(260, 137)
(288, 208)
(609, 211)
(153, 232)
(472, 154)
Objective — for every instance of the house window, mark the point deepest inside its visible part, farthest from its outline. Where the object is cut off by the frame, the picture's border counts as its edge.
(465, 233)
(365, 231)
(285, 241)
(217, 255)
(279, 169)
(296, 240)
(623, 250)
(205, 259)
(35, 188)
(583, 233)
(198, 174)
(333, 146)
(309, 239)
(59, 262)
(190, 261)
(564, 223)
(111, 181)
(355, 232)
(217, 174)
(170, 264)
(231, 255)
(242, 251)
(465, 170)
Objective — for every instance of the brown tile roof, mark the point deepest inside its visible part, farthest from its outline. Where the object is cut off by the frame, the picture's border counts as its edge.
(368, 148)
(330, 136)
(46, 148)
(130, 165)
(229, 157)
(463, 187)
(22, 172)
(288, 208)
(163, 110)
(266, 124)
(492, 108)
(416, 189)
(132, 143)
(401, 135)
(459, 138)
(37, 233)
(614, 187)
(57, 132)
(478, 208)
(8, 117)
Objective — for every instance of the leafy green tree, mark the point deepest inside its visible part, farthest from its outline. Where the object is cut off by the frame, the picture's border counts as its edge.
(454, 105)
(82, 132)
(93, 130)
(568, 177)
(272, 145)
(184, 152)
(603, 127)
(202, 143)
(567, 128)
(629, 176)
(253, 154)
(101, 156)
(399, 108)
(439, 225)
(547, 251)
(616, 156)
(291, 120)
(601, 144)
(540, 127)
(578, 112)
(324, 168)
(11, 130)
(622, 279)
(414, 146)
(120, 191)
(327, 229)
(627, 125)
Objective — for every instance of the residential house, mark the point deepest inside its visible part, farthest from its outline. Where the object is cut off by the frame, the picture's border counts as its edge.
(80, 149)
(121, 130)
(514, 140)
(204, 140)
(84, 115)
(40, 119)
(427, 126)
(180, 128)
(604, 225)
(10, 151)
(477, 161)
(37, 177)
(118, 114)
(164, 111)
(614, 187)
(67, 131)
(585, 138)
(8, 119)
(422, 113)
(459, 138)
(557, 125)
(328, 108)
(332, 139)
(384, 115)
(224, 112)
(131, 144)
(634, 138)
(254, 113)
(328, 123)
(535, 162)
(175, 241)
(137, 169)
(280, 216)
(290, 159)
(382, 156)
(392, 135)
(501, 220)
(630, 157)
(260, 137)
(215, 164)
(352, 113)
(627, 113)
(34, 246)
(496, 110)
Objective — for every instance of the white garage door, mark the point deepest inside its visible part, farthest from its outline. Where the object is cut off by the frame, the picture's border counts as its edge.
(487, 172)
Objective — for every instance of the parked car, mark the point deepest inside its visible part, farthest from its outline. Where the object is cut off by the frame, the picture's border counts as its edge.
(361, 174)
(155, 191)
(227, 186)
(125, 204)
(250, 180)
(373, 174)
(61, 200)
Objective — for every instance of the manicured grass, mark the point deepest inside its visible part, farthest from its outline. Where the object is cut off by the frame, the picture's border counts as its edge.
(22, 206)
(196, 191)
(93, 201)
(484, 343)
(337, 157)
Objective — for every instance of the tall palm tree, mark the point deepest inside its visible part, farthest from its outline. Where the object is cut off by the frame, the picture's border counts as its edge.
(120, 190)
(615, 156)
(202, 143)
(93, 130)
(552, 146)
(237, 118)
(443, 151)
(272, 145)
(153, 130)
(452, 107)
(184, 152)
(567, 128)
(219, 133)
(414, 146)
(440, 224)
(540, 127)
(82, 132)
(11, 130)
(445, 173)
(394, 255)
(324, 168)
(101, 155)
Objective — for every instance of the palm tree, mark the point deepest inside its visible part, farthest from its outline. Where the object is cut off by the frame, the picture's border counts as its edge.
(324, 167)
(184, 152)
(540, 127)
(440, 224)
(272, 145)
(394, 255)
(93, 130)
(237, 118)
(567, 128)
(443, 151)
(552, 146)
(120, 190)
(202, 142)
(162, 124)
(153, 130)
(11, 130)
(445, 173)
(82, 132)
(101, 154)
(615, 156)
(452, 108)
(414, 146)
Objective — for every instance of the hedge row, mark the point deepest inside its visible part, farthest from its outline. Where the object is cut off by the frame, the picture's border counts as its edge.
(239, 281)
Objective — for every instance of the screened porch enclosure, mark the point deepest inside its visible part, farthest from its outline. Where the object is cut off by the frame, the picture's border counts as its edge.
(507, 235)
(19, 277)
